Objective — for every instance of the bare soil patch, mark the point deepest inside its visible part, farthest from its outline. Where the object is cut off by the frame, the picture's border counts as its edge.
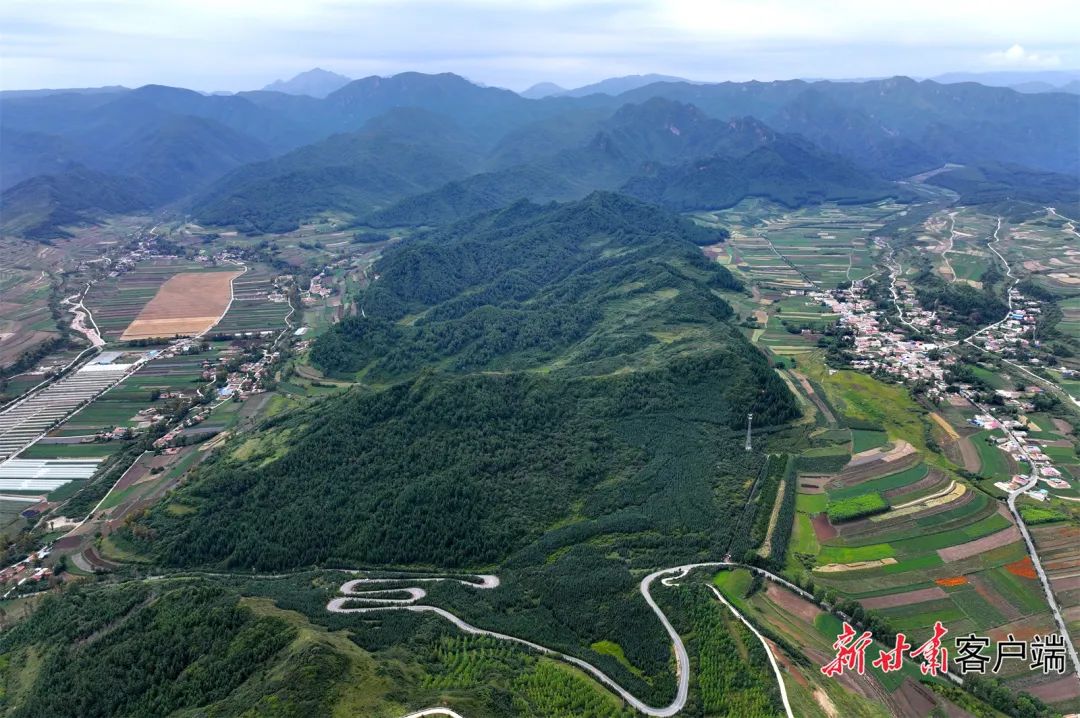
(920, 595)
(792, 604)
(188, 303)
(1057, 690)
(823, 530)
(1069, 583)
(978, 546)
(1063, 426)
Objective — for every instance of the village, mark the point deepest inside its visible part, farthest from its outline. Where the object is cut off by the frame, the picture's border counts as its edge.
(880, 347)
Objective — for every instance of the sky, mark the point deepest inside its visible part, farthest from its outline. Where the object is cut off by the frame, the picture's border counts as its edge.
(244, 44)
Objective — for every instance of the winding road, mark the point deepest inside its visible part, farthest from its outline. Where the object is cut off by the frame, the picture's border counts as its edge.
(406, 597)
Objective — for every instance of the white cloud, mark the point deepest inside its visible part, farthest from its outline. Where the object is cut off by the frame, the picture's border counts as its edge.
(240, 44)
(1017, 56)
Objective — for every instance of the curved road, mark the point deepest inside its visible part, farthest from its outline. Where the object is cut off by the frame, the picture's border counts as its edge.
(400, 598)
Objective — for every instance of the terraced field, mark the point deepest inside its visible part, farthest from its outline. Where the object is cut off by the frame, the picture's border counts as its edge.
(944, 550)
(25, 319)
(800, 623)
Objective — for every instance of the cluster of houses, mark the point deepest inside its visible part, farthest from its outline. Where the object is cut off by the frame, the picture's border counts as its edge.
(1013, 336)
(318, 288)
(1020, 448)
(885, 350)
(23, 571)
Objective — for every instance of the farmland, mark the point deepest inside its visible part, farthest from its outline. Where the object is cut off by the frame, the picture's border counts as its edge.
(187, 303)
(251, 310)
(938, 549)
(796, 250)
(117, 301)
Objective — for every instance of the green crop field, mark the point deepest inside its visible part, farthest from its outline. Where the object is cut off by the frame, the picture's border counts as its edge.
(811, 503)
(996, 464)
(863, 439)
(891, 481)
(72, 451)
(865, 504)
(846, 554)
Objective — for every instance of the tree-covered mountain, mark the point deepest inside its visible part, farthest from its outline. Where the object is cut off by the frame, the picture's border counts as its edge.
(539, 358)
(788, 171)
(179, 141)
(401, 153)
(39, 207)
(534, 284)
(1003, 184)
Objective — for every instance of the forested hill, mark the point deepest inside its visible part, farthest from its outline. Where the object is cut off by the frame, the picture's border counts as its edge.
(548, 367)
(586, 284)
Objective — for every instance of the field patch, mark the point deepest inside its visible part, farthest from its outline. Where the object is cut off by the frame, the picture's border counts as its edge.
(187, 303)
(1023, 568)
(905, 598)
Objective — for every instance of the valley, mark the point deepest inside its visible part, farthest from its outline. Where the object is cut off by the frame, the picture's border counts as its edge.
(426, 398)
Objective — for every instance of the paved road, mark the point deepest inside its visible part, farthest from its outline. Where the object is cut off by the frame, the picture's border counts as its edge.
(395, 599)
(1011, 501)
(1043, 578)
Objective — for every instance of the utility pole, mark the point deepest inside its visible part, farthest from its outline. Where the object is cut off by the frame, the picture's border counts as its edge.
(749, 419)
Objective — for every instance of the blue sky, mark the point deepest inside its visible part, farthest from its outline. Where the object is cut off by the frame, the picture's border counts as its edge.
(244, 44)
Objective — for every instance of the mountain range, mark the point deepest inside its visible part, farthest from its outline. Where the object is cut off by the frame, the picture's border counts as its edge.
(423, 149)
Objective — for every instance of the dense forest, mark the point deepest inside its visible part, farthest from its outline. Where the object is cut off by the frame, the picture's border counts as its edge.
(566, 460)
(134, 650)
(586, 283)
(460, 471)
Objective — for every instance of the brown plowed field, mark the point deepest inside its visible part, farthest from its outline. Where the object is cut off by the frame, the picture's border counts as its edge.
(188, 303)
(893, 600)
(1056, 690)
(978, 546)
(933, 478)
(823, 530)
(995, 599)
(791, 603)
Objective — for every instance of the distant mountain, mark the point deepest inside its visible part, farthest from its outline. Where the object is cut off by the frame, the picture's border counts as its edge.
(653, 141)
(961, 123)
(313, 83)
(107, 90)
(404, 152)
(179, 143)
(1032, 78)
(487, 111)
(542, 89)
(39, 208)
(789, 171)
(618, 85)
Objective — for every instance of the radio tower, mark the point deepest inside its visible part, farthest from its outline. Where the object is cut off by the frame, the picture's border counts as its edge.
(749, 418)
